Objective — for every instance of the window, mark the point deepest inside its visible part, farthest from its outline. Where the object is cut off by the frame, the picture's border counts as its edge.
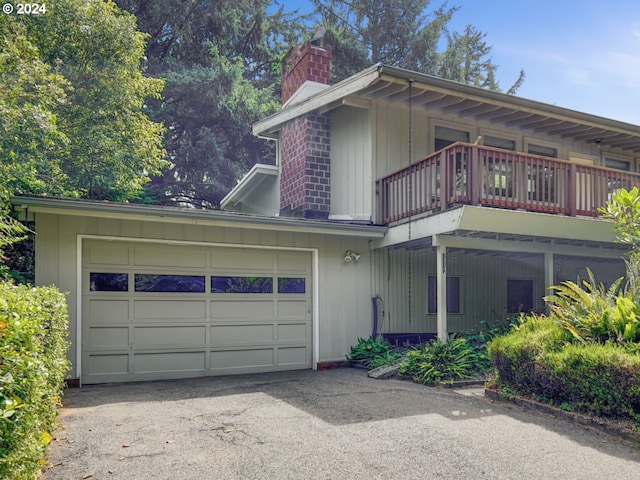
(453, 295)
(169, 283)
(542, 150)
(617, 164)
(445, 136)
(241, 285)
(519, 295)
(108, 282)
(497, 142)
(291, 285)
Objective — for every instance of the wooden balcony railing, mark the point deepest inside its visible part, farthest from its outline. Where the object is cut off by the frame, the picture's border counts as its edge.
(492, 177)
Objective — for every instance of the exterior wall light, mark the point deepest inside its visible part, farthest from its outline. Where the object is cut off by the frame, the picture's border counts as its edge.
(351, 256)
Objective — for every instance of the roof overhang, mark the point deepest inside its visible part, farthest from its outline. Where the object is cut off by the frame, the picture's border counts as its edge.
(26, 206)
(258, 176)
(480, 228)
(391, 84)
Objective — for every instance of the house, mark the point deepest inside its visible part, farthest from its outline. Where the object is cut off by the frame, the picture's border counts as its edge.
(435, 204)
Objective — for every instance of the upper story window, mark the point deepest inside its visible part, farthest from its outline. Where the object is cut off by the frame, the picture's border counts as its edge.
(445, 136)
(617, 163)
(542, 150)
(498, 142)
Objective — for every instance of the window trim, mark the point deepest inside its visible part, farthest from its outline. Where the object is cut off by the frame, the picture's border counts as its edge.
(452, 125)
(528, 141)
(517, 139)
(619, 158)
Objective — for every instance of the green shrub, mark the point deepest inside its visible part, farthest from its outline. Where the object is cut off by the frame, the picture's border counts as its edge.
(599, 379)
(479, 339)
(538, 359)
(33, 364)
(373, 353)
(515, 356)
(438, 361)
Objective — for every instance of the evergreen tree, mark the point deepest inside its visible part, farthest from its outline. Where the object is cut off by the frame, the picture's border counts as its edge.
(221, 64)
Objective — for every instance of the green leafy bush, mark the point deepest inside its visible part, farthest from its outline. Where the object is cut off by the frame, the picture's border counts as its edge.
(33, 364)
(479, 339)
(593, 313)
(515, 356)
(438, 361)
(373, 353)
(600, 379)
(541, 359)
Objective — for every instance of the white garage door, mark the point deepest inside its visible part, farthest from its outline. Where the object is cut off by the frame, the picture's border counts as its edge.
(154, 311)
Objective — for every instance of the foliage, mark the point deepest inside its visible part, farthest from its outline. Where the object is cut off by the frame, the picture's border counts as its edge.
(514, 356)
(479, 339)
(593, 313)
(600, 379)
(31, 142)
(366, 32)
(624, 210)
(11, 233)
(539, 360)
(33, 345)
(438, 360)
(221, 62)
(73, 99)
(373, 352)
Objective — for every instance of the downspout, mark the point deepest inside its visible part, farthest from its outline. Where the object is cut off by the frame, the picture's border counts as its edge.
(377, 324)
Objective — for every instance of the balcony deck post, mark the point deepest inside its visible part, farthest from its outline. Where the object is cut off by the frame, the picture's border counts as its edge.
(444, 180)
(571, 190)
(474, 177)
(441, 292)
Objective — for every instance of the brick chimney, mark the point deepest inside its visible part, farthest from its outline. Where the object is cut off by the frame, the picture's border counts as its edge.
(305, 185)
(310, 63)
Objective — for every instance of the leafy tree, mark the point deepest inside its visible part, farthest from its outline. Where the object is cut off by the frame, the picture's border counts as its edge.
(31, 143)
(624, 210)
(72, 103)
(220, 61)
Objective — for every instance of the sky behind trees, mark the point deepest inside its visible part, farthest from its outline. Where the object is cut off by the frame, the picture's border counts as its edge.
(576, 54)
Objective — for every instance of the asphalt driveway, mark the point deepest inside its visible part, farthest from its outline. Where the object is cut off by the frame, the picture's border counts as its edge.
(334, 424)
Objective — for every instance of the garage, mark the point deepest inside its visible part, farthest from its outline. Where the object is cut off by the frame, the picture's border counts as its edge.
(158, 310)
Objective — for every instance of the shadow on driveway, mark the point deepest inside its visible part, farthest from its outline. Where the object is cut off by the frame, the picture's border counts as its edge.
(339, 396)
(334, 424)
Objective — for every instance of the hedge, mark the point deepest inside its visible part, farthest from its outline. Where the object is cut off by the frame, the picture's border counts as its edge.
(33, 365)
(539, 360)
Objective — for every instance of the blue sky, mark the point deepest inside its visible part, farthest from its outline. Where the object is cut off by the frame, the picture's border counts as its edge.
(583, 55)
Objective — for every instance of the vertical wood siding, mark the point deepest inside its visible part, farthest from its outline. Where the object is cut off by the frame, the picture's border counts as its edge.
(483, 286)
(351, 167)
(344, 301)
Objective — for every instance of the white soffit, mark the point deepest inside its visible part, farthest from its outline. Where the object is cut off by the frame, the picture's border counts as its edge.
(482, 221)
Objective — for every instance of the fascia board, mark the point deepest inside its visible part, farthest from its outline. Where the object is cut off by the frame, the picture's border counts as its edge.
(191, 217)
(483, 219)
(340, 90)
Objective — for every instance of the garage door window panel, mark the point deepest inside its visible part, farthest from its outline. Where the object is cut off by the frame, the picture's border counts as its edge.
(108, 282)
(291, 285)
(241, 285)
(169, 283)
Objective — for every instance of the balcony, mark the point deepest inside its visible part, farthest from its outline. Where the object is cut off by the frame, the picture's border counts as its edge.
(477, 175)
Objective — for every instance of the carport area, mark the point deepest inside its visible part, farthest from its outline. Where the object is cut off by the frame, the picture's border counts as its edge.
(332, 424)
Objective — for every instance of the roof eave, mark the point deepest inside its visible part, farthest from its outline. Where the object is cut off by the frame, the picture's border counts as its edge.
(154, 213)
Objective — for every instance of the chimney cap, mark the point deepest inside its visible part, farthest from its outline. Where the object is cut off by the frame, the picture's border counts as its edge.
(318, 37)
